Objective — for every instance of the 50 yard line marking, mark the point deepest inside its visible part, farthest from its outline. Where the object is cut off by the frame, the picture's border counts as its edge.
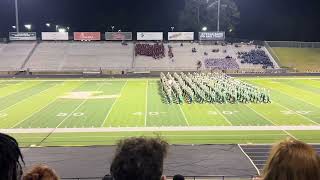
(84, 101)
(105, 119)
(35, 112)
(146, 105)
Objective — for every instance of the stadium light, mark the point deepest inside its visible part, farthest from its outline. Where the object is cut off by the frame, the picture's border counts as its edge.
(62, 30)
(172, 28)
(48, 24)
(14, 27)
(112, 27)
(204, 28)
(28, 26)
(119, 30)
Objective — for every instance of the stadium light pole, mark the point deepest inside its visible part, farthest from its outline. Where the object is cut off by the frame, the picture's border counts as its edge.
(17, 15)
(172, 28)
(218, 21)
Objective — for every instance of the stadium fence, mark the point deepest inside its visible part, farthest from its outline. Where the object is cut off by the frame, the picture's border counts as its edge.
(186, 177)
(293, 44)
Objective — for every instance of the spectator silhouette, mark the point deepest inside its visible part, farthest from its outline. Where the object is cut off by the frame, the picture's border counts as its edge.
(139, 159)
(292, 160)
(10, 158)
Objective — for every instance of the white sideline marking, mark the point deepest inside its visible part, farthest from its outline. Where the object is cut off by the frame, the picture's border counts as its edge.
(105, 119)
(184, 116)
(146, 105)
(176, 128)
(9, 107)
(249, 159)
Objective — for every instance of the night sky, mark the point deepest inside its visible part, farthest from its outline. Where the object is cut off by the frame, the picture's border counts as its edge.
(260, 19)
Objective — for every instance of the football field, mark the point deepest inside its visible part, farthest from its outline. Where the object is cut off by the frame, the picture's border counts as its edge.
(76, 112)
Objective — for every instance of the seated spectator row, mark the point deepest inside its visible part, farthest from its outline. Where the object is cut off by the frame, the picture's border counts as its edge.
(143, 159)
(257, 57)
(154, 50)
(222, 64)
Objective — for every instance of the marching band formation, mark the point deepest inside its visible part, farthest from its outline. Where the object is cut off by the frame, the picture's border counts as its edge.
(209, 88)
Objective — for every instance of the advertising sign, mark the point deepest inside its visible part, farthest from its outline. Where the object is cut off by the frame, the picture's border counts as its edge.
(54, 36)
(149, 36)
(211, 36)
(180, 36)
(22, 36)
(118, 36)
(87, 36)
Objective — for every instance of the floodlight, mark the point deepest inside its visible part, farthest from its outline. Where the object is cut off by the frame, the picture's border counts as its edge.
(62, 30)
(204, 28)
(28, 26)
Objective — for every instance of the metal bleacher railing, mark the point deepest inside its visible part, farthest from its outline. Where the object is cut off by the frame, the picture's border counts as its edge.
(186, 177)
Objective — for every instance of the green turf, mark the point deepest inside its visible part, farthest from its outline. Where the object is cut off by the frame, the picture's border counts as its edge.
(303, 59)
(137, 103)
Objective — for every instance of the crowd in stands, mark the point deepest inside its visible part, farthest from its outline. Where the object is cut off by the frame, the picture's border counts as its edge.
(222, 64)
(143, 158)
(256, 56)
(156, 51)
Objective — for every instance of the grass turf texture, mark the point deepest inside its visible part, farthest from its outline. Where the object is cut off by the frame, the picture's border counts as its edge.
(136, 103)
(303, 59)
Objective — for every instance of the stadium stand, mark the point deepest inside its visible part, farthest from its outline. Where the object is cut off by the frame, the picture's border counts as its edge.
(256, 56)
(183, 59)
(97, 56)
(14, 54)
(221, 64)
(153, 50)
(61, 56)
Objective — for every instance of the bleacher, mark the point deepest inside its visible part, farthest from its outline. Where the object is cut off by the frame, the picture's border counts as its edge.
(183, 59)
(13, 55)
(96, 56)
(64, 56)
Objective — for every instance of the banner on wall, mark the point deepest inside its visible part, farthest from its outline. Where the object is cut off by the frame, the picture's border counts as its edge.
(22, 36)
(180, 36)
(149, 36)
(55, 36)
(118, 36)
(87, 36)
(212, 36)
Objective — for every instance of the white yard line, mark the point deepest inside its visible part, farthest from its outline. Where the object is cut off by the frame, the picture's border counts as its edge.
(184, 116)
(271, 121)
(293, 97)
(261, 115)
(225, 118)
(38, 110)
(105, 119)
(146, 105)
(28, 98)
(290, 134)
(258, 171)
(83, 102)
(297, 113)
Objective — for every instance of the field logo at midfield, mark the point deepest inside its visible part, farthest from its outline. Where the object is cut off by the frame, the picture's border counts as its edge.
(88, 95)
